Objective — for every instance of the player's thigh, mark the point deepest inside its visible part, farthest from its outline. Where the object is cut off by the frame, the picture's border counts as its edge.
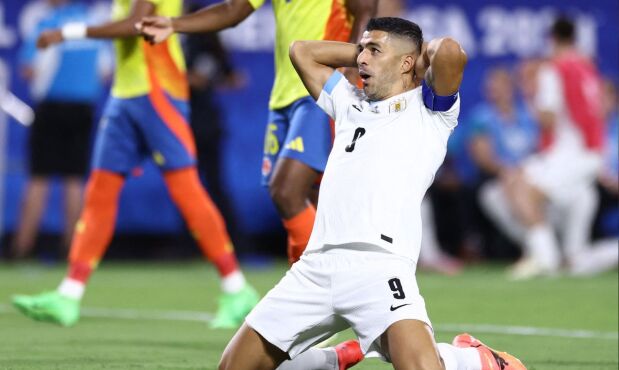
(118, 141)
(274, 137)
(78, 129)
(560, 174)
(379, 291)
(42, 141)
(164, 125)
(410, 345)
(298, 312)
(248, 350)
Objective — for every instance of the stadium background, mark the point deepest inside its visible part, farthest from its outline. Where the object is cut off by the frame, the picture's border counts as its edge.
(492, 33)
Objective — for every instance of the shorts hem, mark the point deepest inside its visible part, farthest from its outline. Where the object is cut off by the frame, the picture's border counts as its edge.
(318, 167)
(267, 337)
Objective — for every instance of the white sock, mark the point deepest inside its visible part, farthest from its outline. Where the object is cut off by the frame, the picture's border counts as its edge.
(456, 358)
(233, 282)
(72, 288)
(602, 256)
(312, 359)
(541, 245)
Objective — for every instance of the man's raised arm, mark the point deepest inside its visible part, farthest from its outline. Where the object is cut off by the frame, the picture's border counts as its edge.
(315, 61)
(115, 29)
(212, 18)
(441, 64)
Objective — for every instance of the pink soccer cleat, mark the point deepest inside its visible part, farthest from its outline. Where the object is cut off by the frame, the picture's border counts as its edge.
(490, 359)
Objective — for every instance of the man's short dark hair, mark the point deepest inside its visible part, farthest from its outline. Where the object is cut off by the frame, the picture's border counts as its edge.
(563, 30)
(398, 26)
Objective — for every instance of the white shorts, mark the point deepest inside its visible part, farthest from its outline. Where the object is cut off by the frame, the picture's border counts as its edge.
(560, 173)
(332, 290)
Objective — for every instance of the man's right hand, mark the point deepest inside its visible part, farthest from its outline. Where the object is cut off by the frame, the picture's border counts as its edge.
(48, 38)
(155, 29)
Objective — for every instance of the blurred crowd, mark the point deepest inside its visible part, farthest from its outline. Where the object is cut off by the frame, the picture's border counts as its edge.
(494, 141)
(480, 206)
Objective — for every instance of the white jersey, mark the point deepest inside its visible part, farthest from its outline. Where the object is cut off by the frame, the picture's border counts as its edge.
(567, 168)
(550, 97)
(384, 158)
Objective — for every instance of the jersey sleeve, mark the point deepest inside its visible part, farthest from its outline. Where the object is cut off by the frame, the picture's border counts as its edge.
(256, 3)
(447, 108)
(549, 90)
(335, 93)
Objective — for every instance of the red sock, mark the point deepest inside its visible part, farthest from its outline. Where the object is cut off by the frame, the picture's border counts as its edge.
(95, 227)
(299, 229)
(79, 271)
(203, 218)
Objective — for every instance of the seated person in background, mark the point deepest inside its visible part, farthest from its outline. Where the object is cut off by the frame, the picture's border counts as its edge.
(561, 176)
(503, 134)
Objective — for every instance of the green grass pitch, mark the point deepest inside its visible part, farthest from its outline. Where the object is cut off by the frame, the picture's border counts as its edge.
(152, 316)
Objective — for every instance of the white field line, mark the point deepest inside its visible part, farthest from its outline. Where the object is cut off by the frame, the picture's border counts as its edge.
(204, 317)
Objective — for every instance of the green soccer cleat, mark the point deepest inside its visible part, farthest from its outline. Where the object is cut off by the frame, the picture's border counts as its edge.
(50, 307)
(233, 307)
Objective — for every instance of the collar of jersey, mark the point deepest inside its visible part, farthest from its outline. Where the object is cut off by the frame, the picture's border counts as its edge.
(383, 105)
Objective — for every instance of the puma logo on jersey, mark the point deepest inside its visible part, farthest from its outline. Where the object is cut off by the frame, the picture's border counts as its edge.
(296, 145)
(357, 108)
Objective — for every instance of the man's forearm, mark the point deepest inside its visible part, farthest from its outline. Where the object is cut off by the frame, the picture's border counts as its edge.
(362, 11)
(314, 61)
(328, 53)
(213, 18)
(442, 63)
(123, 28)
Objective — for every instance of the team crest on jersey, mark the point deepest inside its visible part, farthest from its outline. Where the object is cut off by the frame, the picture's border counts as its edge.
(267, 166)
(397, 106)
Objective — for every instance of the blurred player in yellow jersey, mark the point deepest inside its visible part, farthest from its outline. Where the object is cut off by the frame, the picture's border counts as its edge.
(298, 135)
(146, 117)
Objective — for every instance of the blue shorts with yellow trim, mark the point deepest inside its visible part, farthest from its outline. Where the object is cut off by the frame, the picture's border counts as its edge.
(300, 131)
(134, 129)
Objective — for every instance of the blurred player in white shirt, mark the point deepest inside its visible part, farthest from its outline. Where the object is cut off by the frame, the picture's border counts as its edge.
(561, 176)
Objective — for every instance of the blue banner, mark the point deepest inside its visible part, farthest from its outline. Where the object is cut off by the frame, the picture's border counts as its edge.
(491, 33)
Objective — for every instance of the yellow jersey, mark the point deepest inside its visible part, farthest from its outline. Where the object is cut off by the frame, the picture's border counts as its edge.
(302, 20)
(141, 67)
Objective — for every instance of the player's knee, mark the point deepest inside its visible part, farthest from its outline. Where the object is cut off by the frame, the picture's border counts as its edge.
(103, 188)
(183, 184)
(223, 364)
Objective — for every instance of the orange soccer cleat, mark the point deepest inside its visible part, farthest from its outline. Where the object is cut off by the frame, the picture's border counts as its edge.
(348, 354)
(490, 359)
